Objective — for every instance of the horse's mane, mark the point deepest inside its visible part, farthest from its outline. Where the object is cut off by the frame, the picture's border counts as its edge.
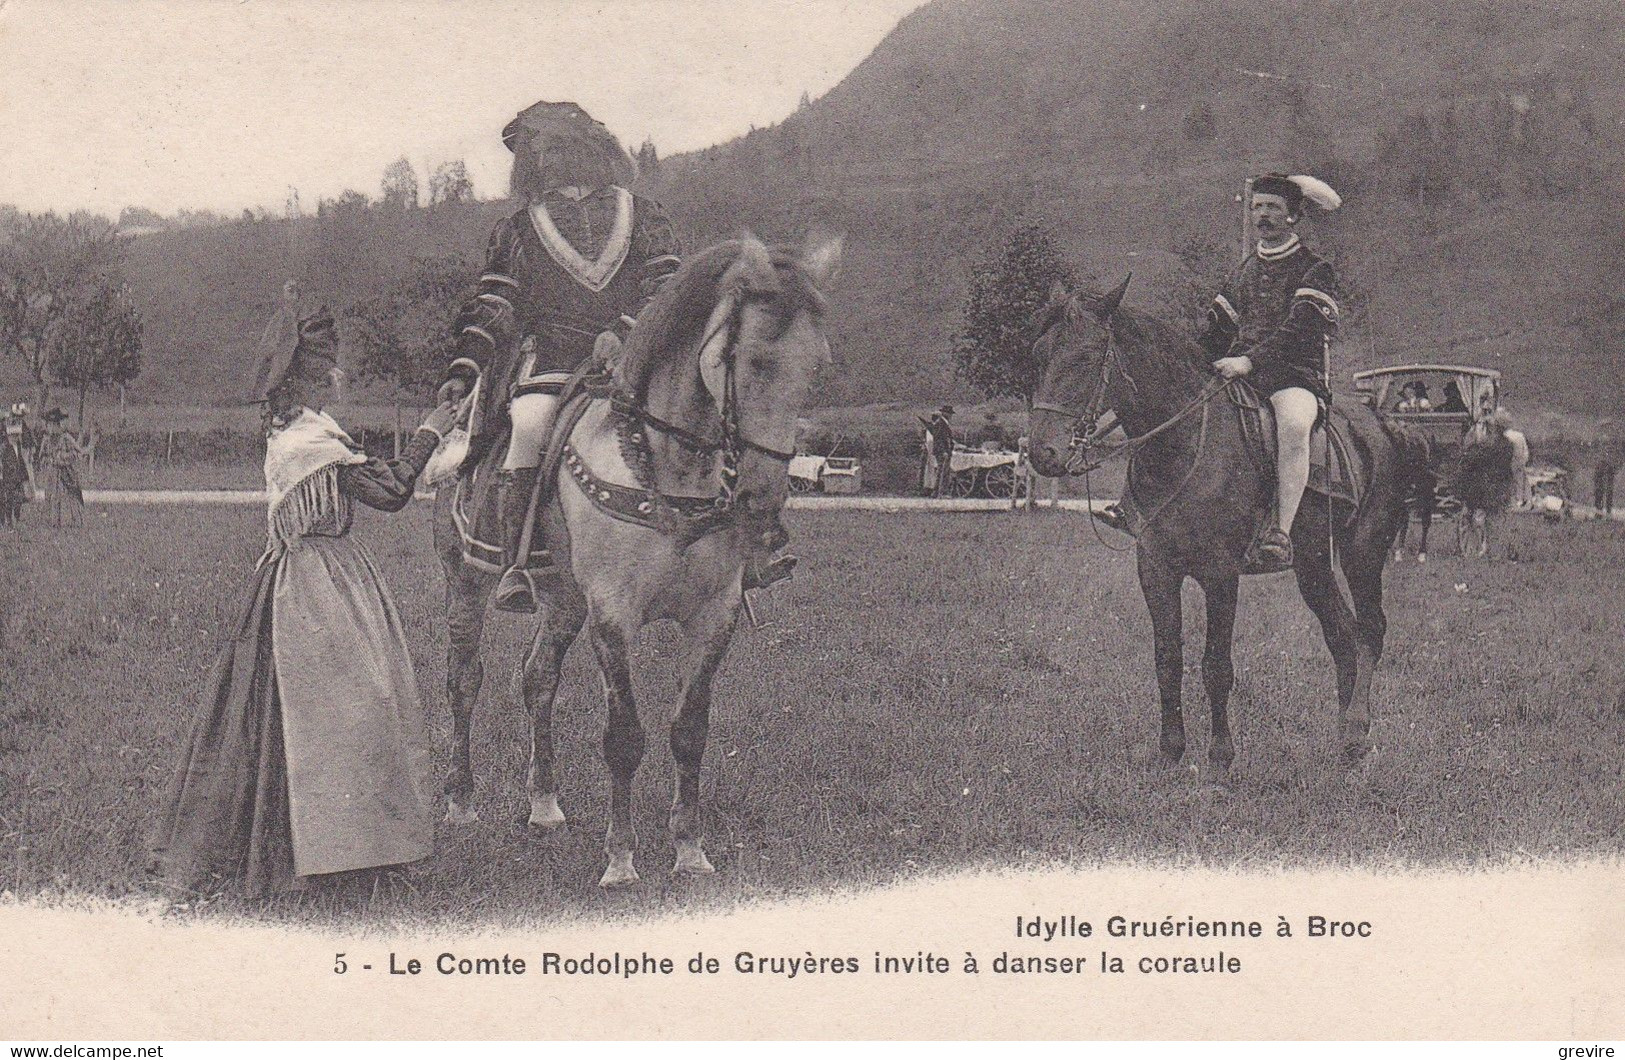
(1136, 331)
(674, 322)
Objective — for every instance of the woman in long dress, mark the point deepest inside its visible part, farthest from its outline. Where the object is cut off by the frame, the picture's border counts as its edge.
(310, 752)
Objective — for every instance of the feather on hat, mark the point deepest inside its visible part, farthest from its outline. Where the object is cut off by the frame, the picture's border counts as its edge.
(1296, 188)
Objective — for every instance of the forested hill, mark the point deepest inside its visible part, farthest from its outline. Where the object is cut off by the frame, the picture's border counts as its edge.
(1477, 144)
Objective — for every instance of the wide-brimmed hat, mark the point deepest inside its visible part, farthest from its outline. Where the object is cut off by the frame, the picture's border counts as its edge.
(55, 416)
(1296, 189)
(946, 410)
(568, 120)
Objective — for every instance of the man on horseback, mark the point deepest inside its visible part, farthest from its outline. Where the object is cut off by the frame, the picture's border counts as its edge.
(581, 258)
(1273, 322)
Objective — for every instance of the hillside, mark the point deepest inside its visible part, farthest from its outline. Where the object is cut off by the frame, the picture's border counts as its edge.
(1474, 143)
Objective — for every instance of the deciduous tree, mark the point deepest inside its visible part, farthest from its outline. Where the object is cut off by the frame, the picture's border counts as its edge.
(994, 349)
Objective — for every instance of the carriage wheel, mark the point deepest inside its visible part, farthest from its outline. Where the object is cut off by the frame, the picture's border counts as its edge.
(964, 482)
(802, 485)
(1000, 481)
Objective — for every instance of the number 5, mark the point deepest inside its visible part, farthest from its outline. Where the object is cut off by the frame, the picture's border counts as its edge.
(339, 967)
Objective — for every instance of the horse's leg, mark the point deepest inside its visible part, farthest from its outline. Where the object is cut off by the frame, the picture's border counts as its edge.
(563, 612)
(1371, 626)
(623, 747)
(466, 590)
(1318, 585)
(1160, 588)
(1218, 671)
(709, 631)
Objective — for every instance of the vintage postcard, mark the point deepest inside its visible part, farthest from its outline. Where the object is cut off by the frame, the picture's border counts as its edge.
(810, 519)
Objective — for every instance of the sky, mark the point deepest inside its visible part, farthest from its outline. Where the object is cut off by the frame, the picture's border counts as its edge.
(225, 104)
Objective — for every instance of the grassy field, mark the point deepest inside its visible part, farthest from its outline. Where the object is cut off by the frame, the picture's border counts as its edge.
(933, 692)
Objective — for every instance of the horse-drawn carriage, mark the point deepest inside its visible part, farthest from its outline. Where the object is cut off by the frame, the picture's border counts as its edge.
(1439, 401)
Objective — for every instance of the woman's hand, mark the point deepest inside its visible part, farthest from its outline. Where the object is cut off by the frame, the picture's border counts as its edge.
(442, 419)
(453, 390)
(1231, 367)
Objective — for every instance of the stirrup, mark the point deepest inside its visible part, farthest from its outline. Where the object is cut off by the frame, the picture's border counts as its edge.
(517, 592)
(1275, 548)
(760, 576)
(1120, 518)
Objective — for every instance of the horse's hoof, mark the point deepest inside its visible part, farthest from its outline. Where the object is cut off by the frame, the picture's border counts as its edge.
(619, 873)
(545, 814)
(692, 860)
(1355, 749)
(459, 812)
(1172, 751)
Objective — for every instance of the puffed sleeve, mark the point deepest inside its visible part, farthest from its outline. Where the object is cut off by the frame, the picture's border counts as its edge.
(1310, 324)
(662, 250)
(489, 318)
(1223, 321)
(388, 484)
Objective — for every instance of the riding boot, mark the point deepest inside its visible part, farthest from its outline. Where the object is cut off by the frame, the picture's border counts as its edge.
(516, 592)
(1123, 516)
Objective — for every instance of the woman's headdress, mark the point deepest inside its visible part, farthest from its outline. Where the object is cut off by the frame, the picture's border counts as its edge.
(290, 345)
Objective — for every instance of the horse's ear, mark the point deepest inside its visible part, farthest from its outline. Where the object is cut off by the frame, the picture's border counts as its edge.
(754, 256)
(1109, 304)
(821, 256)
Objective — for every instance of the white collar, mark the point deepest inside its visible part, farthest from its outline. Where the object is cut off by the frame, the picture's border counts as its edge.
(1280, 250)
(593, 275)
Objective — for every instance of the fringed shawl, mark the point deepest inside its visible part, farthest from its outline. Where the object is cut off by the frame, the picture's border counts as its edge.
(301, 477)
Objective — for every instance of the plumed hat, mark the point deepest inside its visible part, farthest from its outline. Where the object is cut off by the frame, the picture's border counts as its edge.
(1297, 188)
(569, 121)
(55, 416)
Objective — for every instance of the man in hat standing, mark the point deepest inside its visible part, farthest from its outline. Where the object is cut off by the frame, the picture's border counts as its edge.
(939, 449)
(1272, 323)
(582, 257)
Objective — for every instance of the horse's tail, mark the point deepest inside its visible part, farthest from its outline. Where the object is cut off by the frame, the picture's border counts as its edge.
(1418, 473)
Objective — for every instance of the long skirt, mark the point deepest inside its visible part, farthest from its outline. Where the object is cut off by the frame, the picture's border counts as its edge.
(309, 754)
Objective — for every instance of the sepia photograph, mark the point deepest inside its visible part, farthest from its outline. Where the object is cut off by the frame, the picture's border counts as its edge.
(811, 519)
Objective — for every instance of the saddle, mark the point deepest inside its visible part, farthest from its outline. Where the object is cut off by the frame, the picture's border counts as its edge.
(1334, 470)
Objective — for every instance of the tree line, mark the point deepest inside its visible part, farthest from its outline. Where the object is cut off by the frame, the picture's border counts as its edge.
(66, 311)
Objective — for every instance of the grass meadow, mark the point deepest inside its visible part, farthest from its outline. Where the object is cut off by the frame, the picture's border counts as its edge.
(932, 692)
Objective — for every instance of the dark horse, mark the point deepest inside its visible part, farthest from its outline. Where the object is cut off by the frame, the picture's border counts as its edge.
(670, 481)
(1202, 495)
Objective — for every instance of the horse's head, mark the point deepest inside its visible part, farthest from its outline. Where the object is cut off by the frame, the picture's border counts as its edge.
(763, 348)
(1075, 344)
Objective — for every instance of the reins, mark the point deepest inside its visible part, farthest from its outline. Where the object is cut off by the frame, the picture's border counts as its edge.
(1079, 460)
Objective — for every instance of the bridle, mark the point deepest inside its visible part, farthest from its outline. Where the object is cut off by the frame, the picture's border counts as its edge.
(732, 442)
(1087, 431)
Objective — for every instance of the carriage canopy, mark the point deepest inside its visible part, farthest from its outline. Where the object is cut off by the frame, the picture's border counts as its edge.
(1431, 391)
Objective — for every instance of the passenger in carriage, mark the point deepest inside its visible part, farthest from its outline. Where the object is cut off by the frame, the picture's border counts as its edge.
(1453, 401)
(1414, 398)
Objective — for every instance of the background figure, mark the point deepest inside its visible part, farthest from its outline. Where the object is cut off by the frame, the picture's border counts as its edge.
(1602, 485)
(57, 463)
(1486, 479)
(13, 474)
(939, 441)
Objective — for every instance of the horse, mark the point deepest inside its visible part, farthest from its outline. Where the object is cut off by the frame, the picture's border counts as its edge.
(665, 482)
(1420, 507)
(1204, 495)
